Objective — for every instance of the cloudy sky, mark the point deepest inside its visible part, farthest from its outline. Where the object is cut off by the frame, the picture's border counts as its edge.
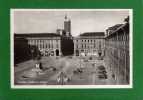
(81, 21)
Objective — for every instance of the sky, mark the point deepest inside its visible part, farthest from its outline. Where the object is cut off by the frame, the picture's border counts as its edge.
(81, 21)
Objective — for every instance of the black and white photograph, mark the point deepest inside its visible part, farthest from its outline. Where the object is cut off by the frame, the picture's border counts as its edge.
(71, 48)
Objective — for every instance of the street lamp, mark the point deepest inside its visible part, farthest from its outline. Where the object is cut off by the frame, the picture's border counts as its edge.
(32, 51)
(80, 67)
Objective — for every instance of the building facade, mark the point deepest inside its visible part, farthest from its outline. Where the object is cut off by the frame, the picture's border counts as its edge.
(49, 44)
(88, 44)
(117, 52)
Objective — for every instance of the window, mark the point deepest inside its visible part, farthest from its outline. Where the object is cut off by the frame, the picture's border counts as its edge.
(57, 46)
(52, 46)
(76, 46)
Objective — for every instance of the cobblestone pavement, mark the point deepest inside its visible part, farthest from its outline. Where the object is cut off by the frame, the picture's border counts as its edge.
(25, 73)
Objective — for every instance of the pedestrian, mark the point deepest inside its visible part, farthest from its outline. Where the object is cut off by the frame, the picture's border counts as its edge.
(38, 64)
(62, 78)
(113, 76)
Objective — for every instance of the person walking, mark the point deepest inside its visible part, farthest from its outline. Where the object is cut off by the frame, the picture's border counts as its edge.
(62, 78)
(38, 64)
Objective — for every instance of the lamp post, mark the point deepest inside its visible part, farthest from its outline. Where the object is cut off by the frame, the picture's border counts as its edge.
(80, 67)
(32, 51)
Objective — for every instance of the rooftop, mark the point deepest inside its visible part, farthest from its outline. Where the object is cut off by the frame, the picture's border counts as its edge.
(115, 27)
(92, 34)
(37, 35)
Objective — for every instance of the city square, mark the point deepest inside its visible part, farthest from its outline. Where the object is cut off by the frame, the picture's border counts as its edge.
(90, 74)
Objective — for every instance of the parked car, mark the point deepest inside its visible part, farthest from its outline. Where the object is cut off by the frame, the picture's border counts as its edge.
(101, 67)
(78, 70)
(102, 76)
(85, 60)
(102, 71)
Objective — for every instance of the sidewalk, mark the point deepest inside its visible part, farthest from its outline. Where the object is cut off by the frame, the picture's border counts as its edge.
(109, 80)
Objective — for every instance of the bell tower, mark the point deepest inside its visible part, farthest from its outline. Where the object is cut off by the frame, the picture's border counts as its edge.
(67, 26)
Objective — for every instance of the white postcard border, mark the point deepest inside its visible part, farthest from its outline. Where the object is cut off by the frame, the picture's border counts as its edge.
(13, 86)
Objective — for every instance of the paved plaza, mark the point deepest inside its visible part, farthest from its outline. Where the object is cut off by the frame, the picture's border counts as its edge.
(69, 70)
